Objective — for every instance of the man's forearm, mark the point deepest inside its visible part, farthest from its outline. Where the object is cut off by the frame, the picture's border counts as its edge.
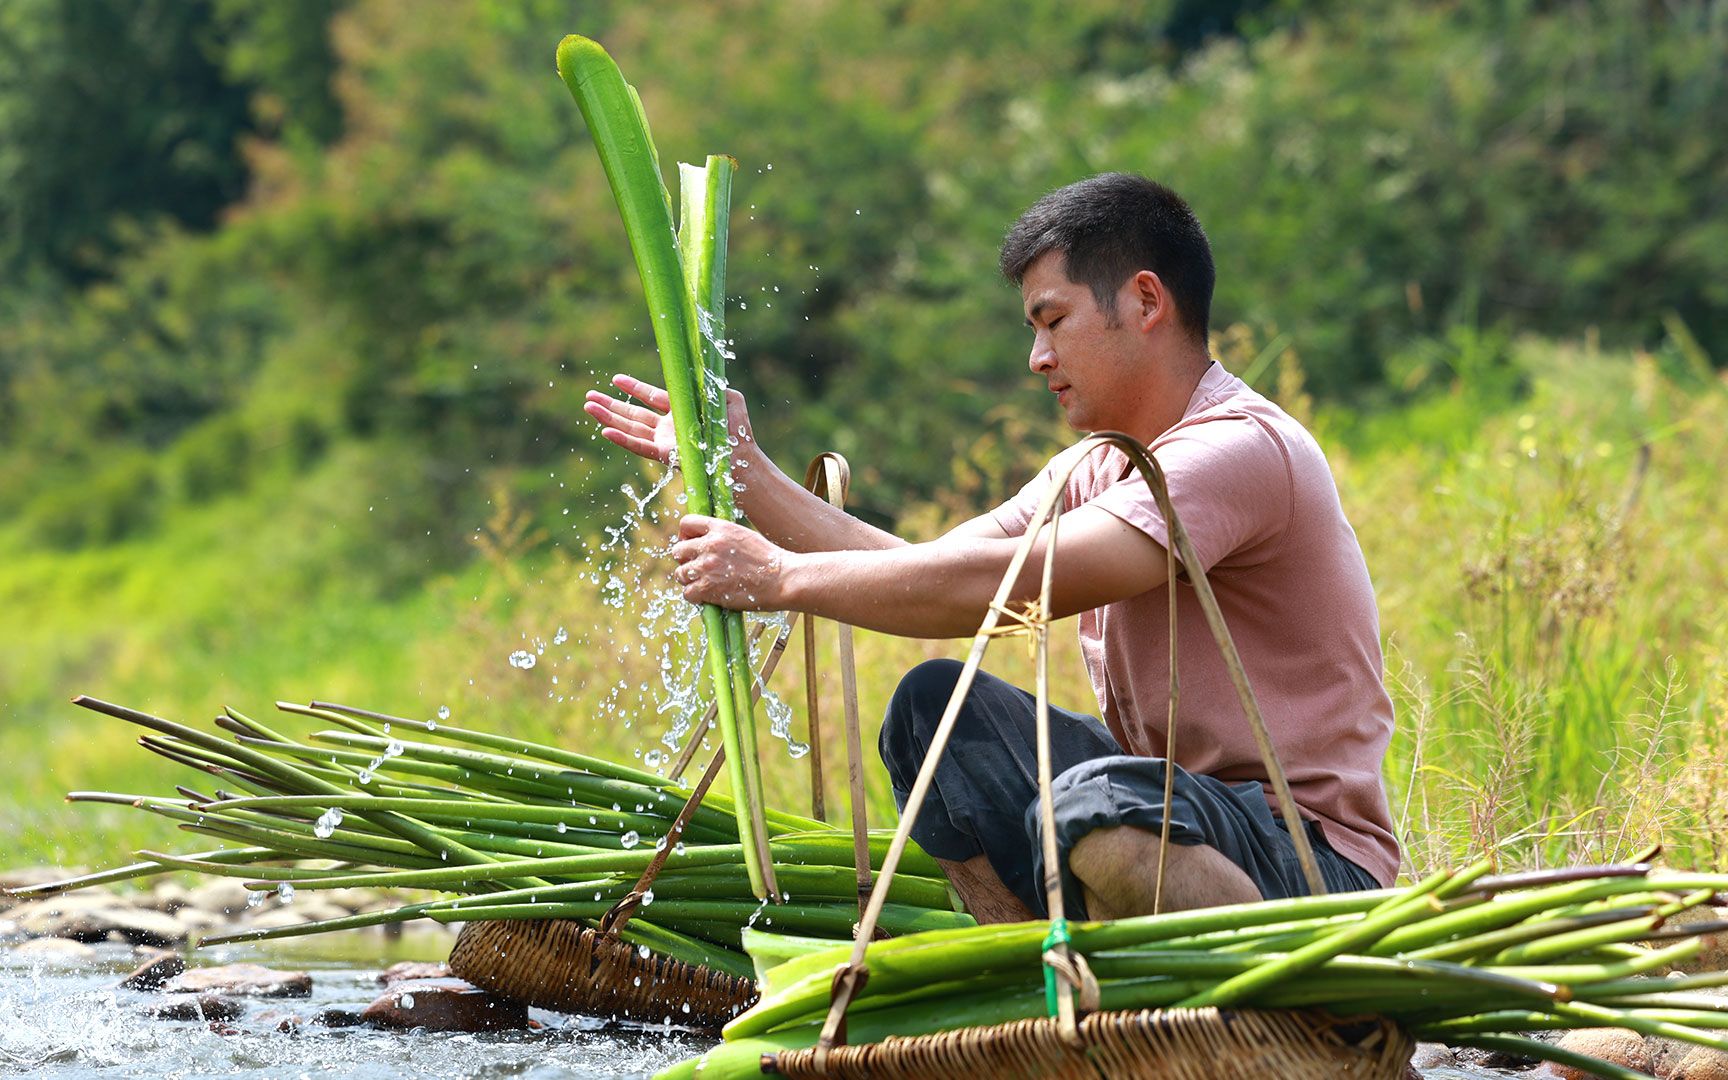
(934, 590)
(788, 514)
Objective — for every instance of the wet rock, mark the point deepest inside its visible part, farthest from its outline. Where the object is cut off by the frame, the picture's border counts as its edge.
(445, 1005)
(413, 969)
(1432, 1056)
(202, 1007)
(22, 876)
(42, 918)
(168, 897)
(338, 1017)
(54, 950)
(285, 1022)
(1615, 1045)
(1696, 1063)
(252, 980)
(1471, 1057)
(1713, 954)
(196, 922)
(220, 896)
(154, 972)
(87, 922)
(1458, 1072)
(275, 917)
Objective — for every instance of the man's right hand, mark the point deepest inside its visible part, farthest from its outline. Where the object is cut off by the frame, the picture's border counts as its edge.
(645, 429)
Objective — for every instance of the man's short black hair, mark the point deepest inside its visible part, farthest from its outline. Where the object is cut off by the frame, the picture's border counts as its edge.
(1110, 227)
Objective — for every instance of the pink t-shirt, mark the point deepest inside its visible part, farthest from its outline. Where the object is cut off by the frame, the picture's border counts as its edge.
(1255, 493)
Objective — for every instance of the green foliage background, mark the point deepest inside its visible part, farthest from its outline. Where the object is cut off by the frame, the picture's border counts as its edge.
(298, 303)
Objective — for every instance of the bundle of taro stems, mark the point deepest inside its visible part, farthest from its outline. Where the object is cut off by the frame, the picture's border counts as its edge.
(1460, 957)
(520, 830)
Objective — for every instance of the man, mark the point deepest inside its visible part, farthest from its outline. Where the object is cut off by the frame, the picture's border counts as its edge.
(1116, 280)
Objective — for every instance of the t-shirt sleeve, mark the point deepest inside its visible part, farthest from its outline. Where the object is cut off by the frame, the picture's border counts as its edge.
(1015, 514)
(1230, 482)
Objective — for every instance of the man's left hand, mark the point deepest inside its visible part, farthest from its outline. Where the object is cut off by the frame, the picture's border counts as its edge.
(723, 563)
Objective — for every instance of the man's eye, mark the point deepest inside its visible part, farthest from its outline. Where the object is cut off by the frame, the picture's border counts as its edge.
(1057, 321)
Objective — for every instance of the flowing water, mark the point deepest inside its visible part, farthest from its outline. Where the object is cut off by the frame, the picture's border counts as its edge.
(59, 1022)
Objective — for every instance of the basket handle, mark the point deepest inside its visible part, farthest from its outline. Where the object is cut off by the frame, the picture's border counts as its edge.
(831, 477)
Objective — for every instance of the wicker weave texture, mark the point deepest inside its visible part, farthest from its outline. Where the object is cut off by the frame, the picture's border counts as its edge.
(563, 965)
(1156, 1044)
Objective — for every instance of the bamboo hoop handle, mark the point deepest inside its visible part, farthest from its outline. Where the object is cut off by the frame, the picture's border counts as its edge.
(830, 476)
(852, 974)
(613, 921)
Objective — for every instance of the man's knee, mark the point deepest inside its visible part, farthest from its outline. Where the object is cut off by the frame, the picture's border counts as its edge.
(913, 713)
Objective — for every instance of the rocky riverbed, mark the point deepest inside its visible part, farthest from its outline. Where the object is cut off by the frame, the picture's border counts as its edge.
(102, 982)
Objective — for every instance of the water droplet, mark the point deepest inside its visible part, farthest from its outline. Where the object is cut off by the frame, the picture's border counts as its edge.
(648, 898)
(563, 827)
(523, 659)
(327, 822)
(561, 636)
(443, 712)
(285, 892)
(630, 839)
(406, 1001)
(254, 899)
(643, 951)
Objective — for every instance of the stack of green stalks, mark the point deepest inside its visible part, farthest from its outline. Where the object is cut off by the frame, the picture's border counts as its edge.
(507, 829)
(1459, 958)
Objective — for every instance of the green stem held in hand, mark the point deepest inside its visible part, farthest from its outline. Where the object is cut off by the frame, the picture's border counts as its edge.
(620, 130)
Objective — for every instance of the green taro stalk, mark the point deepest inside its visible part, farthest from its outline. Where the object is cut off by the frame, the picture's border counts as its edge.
(1545, 950)
(690, 362)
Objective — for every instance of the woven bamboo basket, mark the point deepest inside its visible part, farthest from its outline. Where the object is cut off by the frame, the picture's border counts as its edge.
(1157, 1044)
(562, 965)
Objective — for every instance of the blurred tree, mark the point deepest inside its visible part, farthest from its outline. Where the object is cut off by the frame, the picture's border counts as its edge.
(110, 111)
(282, 54)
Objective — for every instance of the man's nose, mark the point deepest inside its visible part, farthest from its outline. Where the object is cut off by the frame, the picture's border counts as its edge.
(1043, 357)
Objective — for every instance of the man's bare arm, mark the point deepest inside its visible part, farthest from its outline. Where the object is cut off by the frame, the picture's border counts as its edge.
(937, 589)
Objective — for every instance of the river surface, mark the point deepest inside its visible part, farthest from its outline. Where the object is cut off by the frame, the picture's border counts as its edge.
(62, 1021)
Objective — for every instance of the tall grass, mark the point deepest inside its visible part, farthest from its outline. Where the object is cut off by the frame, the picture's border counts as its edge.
(1550, 591)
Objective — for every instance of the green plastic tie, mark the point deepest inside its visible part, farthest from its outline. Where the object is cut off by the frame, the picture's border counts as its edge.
(1058, 935)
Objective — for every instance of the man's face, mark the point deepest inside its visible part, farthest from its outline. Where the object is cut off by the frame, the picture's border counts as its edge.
(1089, 360)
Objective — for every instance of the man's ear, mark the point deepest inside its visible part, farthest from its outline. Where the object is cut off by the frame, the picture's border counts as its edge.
(1151, 299)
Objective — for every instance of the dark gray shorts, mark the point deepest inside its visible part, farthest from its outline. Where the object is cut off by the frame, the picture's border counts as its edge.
(985, 797)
